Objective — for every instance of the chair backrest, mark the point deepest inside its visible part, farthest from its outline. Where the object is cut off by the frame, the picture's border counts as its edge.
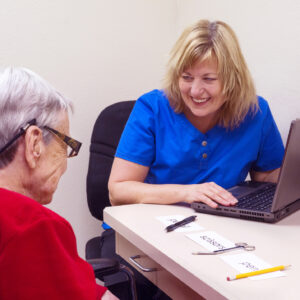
(105, 138)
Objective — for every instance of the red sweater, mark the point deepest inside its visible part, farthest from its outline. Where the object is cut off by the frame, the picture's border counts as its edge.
(38, 254)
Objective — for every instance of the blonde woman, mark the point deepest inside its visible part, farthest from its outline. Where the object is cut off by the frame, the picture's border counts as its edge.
(202, 133)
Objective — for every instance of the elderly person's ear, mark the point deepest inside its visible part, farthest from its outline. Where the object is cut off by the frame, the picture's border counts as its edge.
(33, 145)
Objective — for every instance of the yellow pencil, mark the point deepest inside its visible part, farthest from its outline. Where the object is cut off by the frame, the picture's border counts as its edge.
(244, 275)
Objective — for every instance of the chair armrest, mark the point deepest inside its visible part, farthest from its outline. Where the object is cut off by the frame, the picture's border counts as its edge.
(104, 266)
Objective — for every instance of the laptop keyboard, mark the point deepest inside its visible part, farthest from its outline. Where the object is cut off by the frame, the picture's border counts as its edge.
(260, 200)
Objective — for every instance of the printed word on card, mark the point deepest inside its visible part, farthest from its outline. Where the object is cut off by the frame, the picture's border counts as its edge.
(210, 240)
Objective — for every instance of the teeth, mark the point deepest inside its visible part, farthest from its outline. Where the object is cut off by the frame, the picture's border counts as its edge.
(200, 100)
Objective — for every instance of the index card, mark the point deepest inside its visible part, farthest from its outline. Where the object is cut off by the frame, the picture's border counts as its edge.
(169, 220)
(248, 262)
(210, 240)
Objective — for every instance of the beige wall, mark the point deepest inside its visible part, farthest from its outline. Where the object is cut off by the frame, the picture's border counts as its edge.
(98, 52)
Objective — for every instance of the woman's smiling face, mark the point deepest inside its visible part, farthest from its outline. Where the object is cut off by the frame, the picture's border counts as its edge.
(201, 91)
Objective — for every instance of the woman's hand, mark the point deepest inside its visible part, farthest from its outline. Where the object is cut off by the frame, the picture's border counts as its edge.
(209, 193)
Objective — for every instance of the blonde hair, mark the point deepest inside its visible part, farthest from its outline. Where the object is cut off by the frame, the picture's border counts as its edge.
(213, 40)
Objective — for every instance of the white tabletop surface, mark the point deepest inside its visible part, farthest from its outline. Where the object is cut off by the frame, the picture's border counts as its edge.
(277, 244)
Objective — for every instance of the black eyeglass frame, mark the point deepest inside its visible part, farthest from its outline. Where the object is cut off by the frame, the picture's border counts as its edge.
(21, 132)
(72, 143)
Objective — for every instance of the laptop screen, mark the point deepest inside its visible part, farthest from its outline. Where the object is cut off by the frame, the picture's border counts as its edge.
(288, 187)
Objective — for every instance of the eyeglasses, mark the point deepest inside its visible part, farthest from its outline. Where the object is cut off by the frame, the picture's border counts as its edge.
(74, 146)
(21, 132)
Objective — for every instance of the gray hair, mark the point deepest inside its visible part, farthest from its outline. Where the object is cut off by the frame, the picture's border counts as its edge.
(24, 96)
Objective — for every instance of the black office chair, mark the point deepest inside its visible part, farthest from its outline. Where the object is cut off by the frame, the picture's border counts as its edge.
(105, 138)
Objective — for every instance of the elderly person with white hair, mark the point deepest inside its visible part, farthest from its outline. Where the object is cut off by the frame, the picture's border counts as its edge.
(38, 255)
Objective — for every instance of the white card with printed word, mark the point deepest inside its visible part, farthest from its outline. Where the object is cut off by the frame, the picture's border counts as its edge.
(169, 220)
(248, 262)
(210, 240)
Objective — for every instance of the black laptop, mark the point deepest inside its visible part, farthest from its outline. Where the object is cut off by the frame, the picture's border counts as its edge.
(267, 202)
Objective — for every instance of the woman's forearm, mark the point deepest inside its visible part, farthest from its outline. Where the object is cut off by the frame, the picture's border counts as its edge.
(129, 192)
(126, 186)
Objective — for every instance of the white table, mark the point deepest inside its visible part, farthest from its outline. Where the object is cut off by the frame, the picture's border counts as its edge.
(185, 276)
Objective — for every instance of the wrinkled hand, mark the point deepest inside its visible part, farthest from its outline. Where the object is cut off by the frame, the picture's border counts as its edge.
(209, 193)
(109, 296)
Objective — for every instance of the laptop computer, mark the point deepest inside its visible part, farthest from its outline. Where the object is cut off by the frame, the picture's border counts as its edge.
(267, 202)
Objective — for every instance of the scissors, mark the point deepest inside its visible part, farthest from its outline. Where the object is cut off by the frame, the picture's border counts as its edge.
(243, 246)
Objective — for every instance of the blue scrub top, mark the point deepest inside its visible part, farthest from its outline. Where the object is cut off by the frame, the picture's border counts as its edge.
(176, 152)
